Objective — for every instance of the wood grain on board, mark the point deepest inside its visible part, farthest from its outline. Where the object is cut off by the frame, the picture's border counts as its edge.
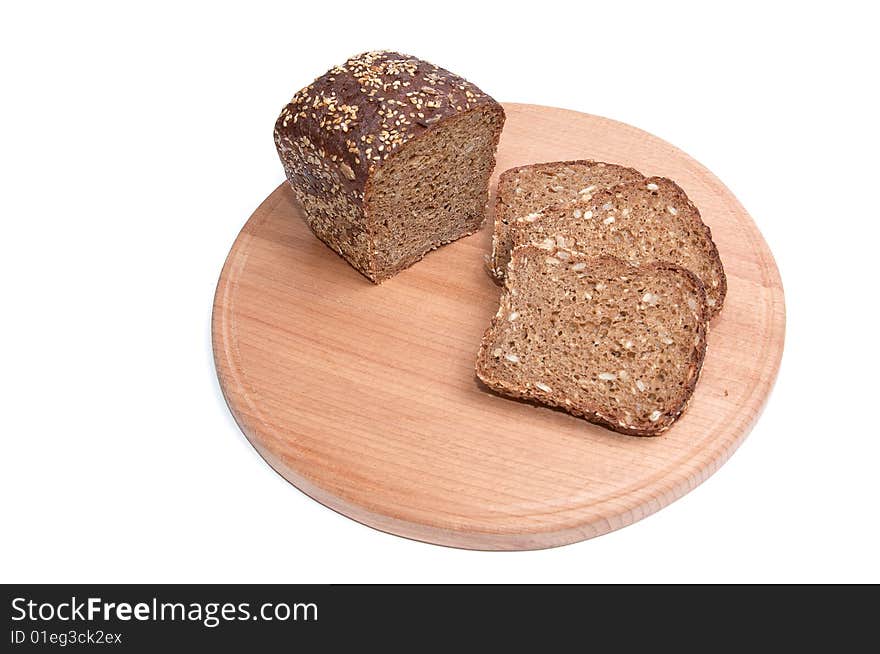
(365, 398)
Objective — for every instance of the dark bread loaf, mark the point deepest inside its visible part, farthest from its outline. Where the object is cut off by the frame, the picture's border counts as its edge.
(528, 191)
(390, 157)
(620, 345)
(648, 221)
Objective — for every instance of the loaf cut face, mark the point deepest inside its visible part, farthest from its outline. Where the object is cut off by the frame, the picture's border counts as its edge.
(619, 345)
(390, 157)
(646, 221)
(529, 191)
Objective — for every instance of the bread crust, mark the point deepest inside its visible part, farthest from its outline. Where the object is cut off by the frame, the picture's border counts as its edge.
(334, 134)
(595, 414)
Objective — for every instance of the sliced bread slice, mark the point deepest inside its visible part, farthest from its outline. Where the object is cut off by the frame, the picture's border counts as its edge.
(619, 345)
(642, 222)
(527, 191)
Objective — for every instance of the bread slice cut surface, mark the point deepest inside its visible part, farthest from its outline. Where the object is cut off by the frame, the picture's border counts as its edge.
(647, 221)
(528, 191)
(619, 345)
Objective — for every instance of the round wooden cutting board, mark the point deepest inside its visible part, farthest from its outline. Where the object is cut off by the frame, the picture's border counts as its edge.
(365, 398)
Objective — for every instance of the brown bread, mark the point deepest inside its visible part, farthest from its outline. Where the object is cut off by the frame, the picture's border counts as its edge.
(648, 221)
(619, 345)
(390, 157)
(531, 190)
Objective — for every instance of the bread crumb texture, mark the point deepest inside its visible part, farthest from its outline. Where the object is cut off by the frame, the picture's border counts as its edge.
(645, 221)
(526, 192)
(619, 345)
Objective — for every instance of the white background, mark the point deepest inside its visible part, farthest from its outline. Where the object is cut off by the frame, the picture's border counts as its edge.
(134, 143)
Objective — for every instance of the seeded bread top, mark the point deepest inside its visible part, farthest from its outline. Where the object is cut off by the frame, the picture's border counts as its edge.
(361, 112)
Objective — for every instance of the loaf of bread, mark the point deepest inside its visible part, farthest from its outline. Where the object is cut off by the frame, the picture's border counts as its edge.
(390, 157)
(648, 221)
(528, 191)
(620, 345)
